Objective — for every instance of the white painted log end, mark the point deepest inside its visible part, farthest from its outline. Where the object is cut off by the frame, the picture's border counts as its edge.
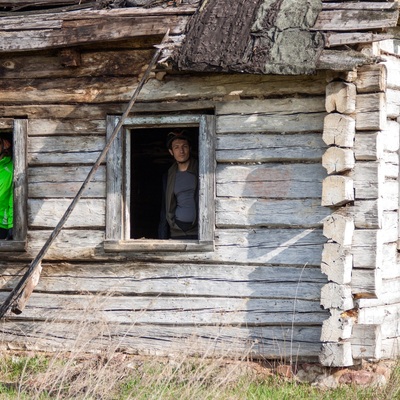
(337, 296)
(339, 228)
(339, 130)
(338, 326)
(336, 160)
(337, 263)
(336, 354)
(341, 97)
(337, 190)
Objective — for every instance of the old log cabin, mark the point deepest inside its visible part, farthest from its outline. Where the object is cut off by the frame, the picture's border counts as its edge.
(295, 107)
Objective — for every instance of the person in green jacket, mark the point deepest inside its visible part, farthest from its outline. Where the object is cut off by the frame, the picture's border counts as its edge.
(6, 189)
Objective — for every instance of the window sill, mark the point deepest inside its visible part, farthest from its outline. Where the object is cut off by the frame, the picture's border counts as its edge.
(12, 245)
(142, 245)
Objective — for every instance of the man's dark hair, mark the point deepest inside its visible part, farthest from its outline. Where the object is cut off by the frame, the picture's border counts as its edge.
(177, 134)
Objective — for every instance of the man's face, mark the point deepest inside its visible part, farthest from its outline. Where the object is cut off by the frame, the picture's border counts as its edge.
(180, 150)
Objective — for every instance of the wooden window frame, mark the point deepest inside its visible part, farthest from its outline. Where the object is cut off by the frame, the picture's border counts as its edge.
(19, 128)
(118, 192)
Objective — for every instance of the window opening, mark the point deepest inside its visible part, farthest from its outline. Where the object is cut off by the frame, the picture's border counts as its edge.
(149, 161)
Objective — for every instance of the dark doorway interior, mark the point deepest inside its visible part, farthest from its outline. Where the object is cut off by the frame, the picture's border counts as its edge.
(150, 159)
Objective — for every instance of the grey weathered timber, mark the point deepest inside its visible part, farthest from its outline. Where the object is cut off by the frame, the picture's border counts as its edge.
(272, 180)
(276, 342)
(269, 147)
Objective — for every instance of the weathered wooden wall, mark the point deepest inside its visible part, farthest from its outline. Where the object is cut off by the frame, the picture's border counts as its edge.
(258, 292)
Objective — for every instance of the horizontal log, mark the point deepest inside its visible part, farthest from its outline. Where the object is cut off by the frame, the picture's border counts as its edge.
(366, 342)
(368, 180)
(343, 60)
(371, 112)
(391, 165)
(150, 279)
(43, 127)
(367, 248)
(296, 247)
(333, 39)
(306, 122)
(274, 342)
(272, 213)
(269, 147)
(367, 213)
(171, 311)
(366, 283)
(371, 78)
(47, 213)
(392, 103)
(389, 295)
(363, 5)
(390, 201)
(56, 33)
(47, 182)
(275, 181)
(289, 105)
(356, 19)
(391, 136)
(187, 88)
(92, 63)
(64, 149)
(368, 146)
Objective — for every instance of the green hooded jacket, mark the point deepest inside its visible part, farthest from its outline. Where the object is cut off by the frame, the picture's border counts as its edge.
(6, 193)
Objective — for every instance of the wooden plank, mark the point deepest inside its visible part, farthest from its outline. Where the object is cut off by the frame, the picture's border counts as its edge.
(242, 213)
(6, 124)
(46, 213)
(64, 149)
(356, 19)
(270, 123)
(171, 311)
(274, 342)
(269, 147)
(277, 181)
(150, 279)
(46, 182)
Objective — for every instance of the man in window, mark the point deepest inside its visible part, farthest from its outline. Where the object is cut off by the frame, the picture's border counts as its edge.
(6, 190)
(180, 191)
